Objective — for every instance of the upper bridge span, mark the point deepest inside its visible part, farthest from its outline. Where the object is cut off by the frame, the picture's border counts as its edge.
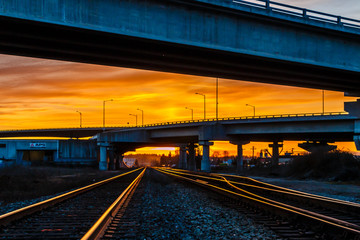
(265, 42)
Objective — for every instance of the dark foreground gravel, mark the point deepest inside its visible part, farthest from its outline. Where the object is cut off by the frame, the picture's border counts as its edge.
(163, 208)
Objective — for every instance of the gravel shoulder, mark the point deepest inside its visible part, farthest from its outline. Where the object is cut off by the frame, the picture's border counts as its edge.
(346, 192)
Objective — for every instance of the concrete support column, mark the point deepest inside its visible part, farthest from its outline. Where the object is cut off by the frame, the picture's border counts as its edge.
(103, 165)
(182, 157)
(111, 156)
(192, 162)
(239, 158)
(275, 153)
(357, 132)
(205, 161)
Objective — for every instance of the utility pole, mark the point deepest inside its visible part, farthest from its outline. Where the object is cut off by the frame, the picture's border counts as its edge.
(323, 101)
(217, 98)
(110, 100)
(80, 118)
(204, 103)
(142, 116)
(253, 152)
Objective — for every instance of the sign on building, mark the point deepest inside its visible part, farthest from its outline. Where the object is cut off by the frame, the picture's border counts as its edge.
(37, 145)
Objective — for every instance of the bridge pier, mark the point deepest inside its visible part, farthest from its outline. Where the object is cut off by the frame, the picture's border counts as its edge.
(357, 132)
(182, 157)
(111, 156)
(275, 152)
(103, 166)
(205, 161)
(191, 162)
(239, 159)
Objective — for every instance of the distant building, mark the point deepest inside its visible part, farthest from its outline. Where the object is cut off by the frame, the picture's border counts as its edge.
(145, 159)
(129, 162)
(28, 152)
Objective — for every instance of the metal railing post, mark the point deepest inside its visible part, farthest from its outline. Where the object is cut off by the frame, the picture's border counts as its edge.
(305, 13)
(267, 4)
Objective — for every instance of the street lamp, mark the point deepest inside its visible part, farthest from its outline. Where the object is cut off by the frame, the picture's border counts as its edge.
(204, 103)
(80, 118)
(252, 107)
(135, 118)
(142, 116)
(192, 113)
(110, 100)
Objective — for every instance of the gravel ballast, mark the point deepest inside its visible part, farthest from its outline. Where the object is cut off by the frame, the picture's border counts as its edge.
(172, 210)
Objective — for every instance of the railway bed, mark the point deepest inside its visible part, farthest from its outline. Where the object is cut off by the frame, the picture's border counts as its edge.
(164, 203)
(68, 219)
(336, 219)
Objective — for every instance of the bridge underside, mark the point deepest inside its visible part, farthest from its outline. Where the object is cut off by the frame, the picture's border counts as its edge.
(44, 40)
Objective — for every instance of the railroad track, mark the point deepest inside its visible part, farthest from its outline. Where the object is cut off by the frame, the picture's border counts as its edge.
(292, 214)
(70, 215)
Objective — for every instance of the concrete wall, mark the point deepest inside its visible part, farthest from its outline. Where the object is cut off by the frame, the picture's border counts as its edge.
(77, 152)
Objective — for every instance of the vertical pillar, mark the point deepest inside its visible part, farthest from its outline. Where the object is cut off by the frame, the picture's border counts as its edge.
(205, 161)
(192, 162)
(275, 153)
(239, 158)
(111, 165)
(357, 132)
(182, 157)
(103, 158)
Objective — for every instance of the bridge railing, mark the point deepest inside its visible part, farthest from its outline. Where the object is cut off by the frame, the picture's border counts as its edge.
(301, 12)
(246, 118)
(109, 128)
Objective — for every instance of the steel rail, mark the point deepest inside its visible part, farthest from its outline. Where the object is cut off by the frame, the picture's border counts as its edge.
(291, 190)
(271, 206)
(278, 189)
(25, 211)
(98, 229)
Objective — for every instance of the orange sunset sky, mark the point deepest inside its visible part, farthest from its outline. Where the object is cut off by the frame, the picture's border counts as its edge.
(39, 93)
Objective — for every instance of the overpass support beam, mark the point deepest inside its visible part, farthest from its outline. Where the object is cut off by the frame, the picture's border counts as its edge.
(205, 161)
(191, 162)
(357, 134)
(275, 152)
(111, 157)
(239, 159)
(103, 158)
(182, 157)
(103, 163)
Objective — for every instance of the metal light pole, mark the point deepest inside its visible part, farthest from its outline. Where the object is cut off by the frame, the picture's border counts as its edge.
(192, 113)
(323, 101)
(252, 107)
(80, 118)
(134, 115)
(142, 116)
(110, 100)
(217, 98)
(204, 103)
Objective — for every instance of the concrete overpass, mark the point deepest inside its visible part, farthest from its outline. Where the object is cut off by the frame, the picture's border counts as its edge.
(328, 128)
(115, 141)
(265, 42)
(56, 132)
